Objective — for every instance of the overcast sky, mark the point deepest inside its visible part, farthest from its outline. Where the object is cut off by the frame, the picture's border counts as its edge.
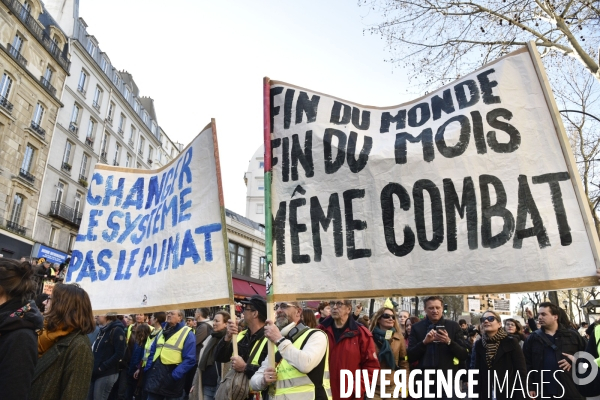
(206, 59)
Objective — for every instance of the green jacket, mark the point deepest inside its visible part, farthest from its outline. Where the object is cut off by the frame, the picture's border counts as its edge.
(64, 371)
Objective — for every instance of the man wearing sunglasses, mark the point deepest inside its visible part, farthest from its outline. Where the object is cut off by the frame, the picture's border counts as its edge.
(301, 358)
(252, 349)
(351, 346)
(437, 343)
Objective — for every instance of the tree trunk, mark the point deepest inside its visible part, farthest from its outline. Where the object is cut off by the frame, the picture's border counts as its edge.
(553, 297)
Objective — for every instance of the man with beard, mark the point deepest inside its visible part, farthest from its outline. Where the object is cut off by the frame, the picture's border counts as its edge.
(252, 349)
(302, 358)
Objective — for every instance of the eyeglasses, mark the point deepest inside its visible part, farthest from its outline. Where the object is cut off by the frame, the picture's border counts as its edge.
(337, 304)
(509, 324)
(283, 306)
(491, 318)
(388, 316)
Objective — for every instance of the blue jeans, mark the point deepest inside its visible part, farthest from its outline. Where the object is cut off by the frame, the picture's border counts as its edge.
(153, 396)
(209, 392)
(101, 387)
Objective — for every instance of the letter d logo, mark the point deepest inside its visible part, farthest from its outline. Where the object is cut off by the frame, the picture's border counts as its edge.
(581, 368)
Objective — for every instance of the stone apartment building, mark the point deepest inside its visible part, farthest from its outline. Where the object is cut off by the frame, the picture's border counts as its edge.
(34, 64)
(104, 120)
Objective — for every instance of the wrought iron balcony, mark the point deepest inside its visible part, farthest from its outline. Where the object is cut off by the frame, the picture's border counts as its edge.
(81, 90)
(89, 141)
(73, 127)
(141, 153)
(38, 129)
(47, 85)
(25, 174)
(149, 161)
(38, 32)
(16, 55)
(131, 142)
(16, 228)
(83, 180)
(120, 131)
(7, 105)
(103, 157)
(65, 213)
(66, 167)
(96, 105)
(109, 121)
(116, 163)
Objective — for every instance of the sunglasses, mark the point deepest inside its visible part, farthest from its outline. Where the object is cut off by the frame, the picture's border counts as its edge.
(488, 319)
(337, 304)
(388, 316)
(283, 306)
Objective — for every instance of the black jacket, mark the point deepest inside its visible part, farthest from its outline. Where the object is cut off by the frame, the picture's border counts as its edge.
(18, 347)
(437, 356)
(224, 351)
(109, 348)
(567, 341)
(509, 360)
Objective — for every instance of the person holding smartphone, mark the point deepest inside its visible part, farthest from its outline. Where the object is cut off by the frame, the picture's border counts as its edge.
(435, 342)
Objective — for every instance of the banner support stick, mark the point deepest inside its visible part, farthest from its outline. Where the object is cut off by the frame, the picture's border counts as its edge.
(268, 213)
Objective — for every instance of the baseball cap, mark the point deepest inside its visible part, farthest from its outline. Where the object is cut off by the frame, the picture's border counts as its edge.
(259, 303)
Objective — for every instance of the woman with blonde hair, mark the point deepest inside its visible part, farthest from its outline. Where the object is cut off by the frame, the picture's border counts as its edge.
(389, 343)
(497, 354)
(64, 368)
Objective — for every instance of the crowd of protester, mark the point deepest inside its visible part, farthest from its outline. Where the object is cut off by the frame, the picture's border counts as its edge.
(52, 347)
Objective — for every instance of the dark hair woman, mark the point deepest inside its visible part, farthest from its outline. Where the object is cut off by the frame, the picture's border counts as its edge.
(64, 369)
(308, 316)
(19, 321)
(389, 343)
(514, 328)
(140, 339)
(410, 321)
(497, 353)
(209, 373)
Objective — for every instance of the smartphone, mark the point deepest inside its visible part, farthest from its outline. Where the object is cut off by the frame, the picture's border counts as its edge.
(440, 328)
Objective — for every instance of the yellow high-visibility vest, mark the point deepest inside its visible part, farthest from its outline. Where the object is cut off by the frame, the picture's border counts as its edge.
(170, 351)
(262, 342)
(149, 342)
(294, 385)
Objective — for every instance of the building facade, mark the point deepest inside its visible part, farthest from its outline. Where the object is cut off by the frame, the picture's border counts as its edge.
(255, 187)
(479, 303)
(34, 64)
(104, 120)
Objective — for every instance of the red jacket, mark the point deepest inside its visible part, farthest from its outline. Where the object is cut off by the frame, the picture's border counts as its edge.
(355, 350)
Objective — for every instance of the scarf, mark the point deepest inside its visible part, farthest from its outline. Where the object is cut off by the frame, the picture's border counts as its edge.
(491, 345)
(386, 356)
(47, 339)
(208, 356)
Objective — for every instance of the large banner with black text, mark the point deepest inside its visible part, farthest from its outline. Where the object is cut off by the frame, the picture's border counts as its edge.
(472, 188)
(151, 240)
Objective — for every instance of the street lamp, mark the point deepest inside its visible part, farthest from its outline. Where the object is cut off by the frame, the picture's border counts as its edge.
(565, 303)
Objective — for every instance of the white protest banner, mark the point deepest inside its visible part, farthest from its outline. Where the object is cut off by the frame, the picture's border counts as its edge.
(470, 189)
(151, 240)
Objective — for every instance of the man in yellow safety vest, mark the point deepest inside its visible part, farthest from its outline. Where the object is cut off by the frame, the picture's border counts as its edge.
(302, 364)
(172, 355)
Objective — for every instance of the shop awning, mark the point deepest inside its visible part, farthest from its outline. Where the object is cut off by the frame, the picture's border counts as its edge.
(247, 289)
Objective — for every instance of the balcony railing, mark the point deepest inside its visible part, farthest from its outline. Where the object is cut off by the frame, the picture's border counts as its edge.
(141, 153)
(81, 90)
(7, 105)
(17, 56)
(116, 163)
(109, 120)
(48, 86)
(103, 157)
(83, 180)
(65, 213)
(96, 105)
(73, 127)
(16, 228)
(149, 161)
(89, 141)
(120, 131)
(25, 174)
(38, 129)
(36, 29)
(66, 167)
